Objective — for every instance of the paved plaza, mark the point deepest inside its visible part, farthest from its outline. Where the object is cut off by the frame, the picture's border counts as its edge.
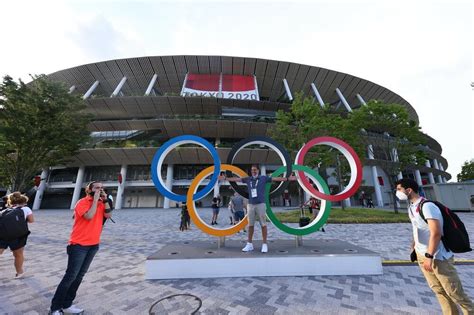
(115, 282)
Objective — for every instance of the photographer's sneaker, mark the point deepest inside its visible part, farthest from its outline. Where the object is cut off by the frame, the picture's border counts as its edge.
(264, 248)
(73, 309)
(248, 247)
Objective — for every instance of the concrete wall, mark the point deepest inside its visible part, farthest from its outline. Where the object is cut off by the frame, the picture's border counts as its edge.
(456, 196)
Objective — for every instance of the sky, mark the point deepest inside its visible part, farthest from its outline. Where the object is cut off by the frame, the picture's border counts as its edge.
(421, 50)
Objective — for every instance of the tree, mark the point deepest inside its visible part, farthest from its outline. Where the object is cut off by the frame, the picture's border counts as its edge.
(467, 171)
(306, 120)
(396, 142)
(41, 125)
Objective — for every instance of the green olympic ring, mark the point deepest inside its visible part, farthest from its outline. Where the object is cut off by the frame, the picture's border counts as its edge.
(323, 214)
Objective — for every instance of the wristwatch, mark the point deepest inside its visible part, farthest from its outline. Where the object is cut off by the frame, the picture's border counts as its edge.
(429, 256)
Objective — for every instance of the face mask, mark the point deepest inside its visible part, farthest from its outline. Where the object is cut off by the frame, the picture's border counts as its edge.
(401, 195)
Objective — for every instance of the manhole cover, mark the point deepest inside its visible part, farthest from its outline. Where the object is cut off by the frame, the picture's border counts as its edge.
(351, 250)
(176, 304)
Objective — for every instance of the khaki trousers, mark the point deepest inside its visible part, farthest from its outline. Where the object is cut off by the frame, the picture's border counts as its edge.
(445, 283)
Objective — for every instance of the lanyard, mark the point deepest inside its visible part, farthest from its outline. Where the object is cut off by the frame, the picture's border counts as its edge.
(417, 207)
(254, 186)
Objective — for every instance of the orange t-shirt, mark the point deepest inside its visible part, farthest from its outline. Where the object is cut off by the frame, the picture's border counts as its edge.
(87, 232)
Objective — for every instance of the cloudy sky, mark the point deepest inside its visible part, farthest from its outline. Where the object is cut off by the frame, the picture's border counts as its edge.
(421, 50)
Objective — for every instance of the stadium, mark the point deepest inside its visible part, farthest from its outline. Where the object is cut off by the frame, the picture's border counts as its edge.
(139, 103)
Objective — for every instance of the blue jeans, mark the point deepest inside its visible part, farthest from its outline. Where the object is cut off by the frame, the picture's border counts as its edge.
(80, 258)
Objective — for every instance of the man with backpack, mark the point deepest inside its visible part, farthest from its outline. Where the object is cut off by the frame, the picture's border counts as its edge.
(431, 232)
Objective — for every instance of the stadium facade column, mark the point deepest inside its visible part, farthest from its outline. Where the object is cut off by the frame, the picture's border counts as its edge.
(40, 191)
(77, 186)
(151, 84)
(361, 100)
(121, 187)
(117, 90)
(169, 184)
(395, 159)
(436, 165)
(287, 90)
(343, 100)
(418, 178)
(430, 174)
(217, 190)
(317, 95)
(263, 169)
(441, 167)
(375, 178)
(90, 90)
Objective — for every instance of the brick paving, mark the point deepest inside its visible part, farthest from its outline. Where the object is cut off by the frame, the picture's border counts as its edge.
(115, 282)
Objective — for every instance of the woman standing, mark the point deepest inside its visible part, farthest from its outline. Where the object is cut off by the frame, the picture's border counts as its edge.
(17, 246)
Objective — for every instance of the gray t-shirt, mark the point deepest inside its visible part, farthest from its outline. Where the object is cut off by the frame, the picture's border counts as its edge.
(238, 203)
(259, 184)
(421, 231)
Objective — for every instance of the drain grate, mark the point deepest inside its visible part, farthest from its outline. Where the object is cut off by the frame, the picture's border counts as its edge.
(176, 304)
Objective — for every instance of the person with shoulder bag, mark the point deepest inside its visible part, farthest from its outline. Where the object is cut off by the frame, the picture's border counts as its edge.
(14, 229)
(434, 228)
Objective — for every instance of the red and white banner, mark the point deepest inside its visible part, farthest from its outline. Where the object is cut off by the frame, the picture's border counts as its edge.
(239, 87)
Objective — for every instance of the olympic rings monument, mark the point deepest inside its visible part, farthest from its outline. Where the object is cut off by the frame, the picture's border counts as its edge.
(221, 258)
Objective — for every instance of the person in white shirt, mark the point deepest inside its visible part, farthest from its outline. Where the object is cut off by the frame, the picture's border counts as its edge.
(17, 246)
(435, 261)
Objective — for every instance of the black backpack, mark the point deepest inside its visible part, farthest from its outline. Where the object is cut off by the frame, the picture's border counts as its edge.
(455, 237)
(13, 224)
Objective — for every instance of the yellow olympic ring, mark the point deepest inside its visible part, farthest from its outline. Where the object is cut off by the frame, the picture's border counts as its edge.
(192, 210)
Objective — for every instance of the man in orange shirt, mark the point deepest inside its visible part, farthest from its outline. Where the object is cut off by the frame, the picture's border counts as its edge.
(83, 245)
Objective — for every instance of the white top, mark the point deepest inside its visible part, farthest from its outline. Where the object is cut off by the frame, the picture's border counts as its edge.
(26, 210)
(421, 231)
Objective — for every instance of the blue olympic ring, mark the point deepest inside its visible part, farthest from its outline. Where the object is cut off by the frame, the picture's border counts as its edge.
(161, 154)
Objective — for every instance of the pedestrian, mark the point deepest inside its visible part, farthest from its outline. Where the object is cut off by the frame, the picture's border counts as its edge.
(362, 199)
(185, 223)
(17, 202)
(314, 205)
(109, 201)
(215, 209)
(434, 259)
(231, 213)
(83, 245)
(370, 203)
(238, 205)
(256, 207)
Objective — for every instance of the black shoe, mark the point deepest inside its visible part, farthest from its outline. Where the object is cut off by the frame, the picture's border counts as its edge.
(322, 229)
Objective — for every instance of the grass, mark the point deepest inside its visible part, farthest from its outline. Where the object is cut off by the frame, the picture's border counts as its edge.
(351, 215)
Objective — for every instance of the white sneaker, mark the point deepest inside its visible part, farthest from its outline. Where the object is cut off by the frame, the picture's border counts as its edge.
(248, 247)
(20, 275)
(73, 309)
(264, 248)
(56, 313)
